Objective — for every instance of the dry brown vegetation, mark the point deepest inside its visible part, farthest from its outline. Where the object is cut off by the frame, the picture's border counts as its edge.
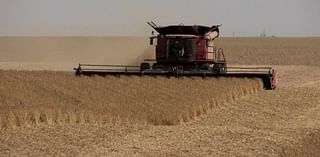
(35, 97)
(47, 113)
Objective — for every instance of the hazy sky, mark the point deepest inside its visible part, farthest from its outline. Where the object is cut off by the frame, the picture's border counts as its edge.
(129, 17)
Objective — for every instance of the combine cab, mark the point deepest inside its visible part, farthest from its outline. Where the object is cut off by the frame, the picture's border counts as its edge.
(184, 51)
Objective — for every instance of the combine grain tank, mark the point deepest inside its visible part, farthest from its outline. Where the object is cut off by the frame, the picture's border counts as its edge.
(184, 51)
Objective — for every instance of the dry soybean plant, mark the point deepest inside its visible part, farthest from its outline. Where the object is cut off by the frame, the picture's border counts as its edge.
(31, 98)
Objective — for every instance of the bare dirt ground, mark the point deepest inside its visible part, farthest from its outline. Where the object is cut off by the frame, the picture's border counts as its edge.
(283, 122)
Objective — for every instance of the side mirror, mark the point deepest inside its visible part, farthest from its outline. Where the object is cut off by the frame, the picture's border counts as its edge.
(151, 41)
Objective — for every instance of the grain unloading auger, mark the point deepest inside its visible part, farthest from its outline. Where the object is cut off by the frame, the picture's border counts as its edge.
(184, 51)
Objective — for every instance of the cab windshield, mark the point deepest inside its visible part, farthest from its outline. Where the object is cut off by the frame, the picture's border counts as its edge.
(181, 49)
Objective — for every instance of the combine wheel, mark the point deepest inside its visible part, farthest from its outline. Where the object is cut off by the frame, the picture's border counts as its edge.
(144, 66)
(157, 66)
(204, 66)
(220, 68)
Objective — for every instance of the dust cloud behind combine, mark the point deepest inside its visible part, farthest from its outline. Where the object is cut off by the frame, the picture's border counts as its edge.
(54, 113)
(63, 53)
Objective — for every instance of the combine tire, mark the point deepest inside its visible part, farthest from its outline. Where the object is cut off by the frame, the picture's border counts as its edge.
(144, 66)
(157, 66)
(220, 68)
(204, 66)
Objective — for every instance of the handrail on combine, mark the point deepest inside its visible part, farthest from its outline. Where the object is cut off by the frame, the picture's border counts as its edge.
(233, 69)
(105, 68)
(95, 65)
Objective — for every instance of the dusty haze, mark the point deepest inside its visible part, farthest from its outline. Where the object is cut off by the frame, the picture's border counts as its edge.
(64, 53)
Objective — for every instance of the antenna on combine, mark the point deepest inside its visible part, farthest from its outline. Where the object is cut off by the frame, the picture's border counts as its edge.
(152, 24)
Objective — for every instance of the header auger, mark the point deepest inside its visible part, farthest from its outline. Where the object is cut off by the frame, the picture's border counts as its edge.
(184, 51)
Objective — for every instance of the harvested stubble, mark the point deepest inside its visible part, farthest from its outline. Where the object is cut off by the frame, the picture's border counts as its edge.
(29, 98)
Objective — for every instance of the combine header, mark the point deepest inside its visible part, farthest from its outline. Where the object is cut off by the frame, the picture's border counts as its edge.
(184, 51)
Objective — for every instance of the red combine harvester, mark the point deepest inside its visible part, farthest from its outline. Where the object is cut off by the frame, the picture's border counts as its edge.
(184, 51)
